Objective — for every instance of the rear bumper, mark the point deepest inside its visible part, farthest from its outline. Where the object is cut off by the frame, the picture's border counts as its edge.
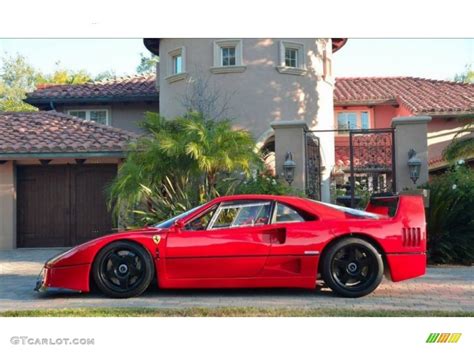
(405, 266)
(74, 278)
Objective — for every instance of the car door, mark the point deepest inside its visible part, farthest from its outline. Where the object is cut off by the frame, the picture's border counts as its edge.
(230, 241)
(296, 252)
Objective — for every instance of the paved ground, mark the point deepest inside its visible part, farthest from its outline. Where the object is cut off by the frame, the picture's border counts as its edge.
(443, 288)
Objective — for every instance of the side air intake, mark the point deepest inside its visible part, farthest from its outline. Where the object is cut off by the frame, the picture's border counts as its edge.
(411, 237)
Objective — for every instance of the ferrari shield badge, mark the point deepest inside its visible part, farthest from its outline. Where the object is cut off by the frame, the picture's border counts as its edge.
(156, 238)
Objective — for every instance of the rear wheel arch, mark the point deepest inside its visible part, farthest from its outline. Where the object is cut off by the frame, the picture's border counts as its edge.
(352, 265)
(368, 238)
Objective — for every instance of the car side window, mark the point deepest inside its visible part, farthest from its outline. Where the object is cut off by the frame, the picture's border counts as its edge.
(242, 215)
(201, 222)
(285, 214)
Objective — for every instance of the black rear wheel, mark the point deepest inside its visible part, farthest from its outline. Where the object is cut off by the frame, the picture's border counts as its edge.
(123, 269)
(352, 267)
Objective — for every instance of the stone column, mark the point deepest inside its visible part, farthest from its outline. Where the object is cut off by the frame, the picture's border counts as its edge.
(7, 206)
(290, 137)
(410, 133)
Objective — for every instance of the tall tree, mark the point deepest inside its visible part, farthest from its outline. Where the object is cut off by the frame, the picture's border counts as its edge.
(205, 98)
(105, 75)
(17, 77)
(64, 76)
(467, 76)
(147, 64)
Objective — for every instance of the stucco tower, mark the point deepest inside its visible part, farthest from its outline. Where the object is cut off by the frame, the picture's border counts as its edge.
(253, 81)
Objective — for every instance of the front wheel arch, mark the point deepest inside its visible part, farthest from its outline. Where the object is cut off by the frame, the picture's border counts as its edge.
(92, 285)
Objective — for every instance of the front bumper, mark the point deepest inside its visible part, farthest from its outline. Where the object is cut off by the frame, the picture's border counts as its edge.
(40, 287)
(67, 278)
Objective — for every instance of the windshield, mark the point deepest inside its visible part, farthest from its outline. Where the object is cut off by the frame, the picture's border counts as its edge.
(169, 222)
(350, 211)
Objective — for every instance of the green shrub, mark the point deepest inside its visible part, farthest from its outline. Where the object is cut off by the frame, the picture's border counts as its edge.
(264, 183)
(450, 217)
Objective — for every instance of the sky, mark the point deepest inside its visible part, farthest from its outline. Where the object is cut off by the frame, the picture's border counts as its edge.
(428, 58)
(93, 55)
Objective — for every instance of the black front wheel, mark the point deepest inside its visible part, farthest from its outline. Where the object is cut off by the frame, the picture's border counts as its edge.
(352, 267)
(123, 269)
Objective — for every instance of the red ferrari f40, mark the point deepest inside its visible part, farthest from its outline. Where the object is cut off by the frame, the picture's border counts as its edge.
(254, 241)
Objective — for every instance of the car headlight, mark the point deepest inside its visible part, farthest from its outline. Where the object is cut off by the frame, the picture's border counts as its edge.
(59, 256)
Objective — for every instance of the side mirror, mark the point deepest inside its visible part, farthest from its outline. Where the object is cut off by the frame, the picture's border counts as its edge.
(178, 224)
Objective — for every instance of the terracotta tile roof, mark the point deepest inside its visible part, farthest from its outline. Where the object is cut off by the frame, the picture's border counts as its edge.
(52, 132)
(131, 88)
(420, 96)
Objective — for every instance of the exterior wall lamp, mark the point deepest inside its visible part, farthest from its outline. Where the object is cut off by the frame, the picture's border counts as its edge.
(414, 165)
(289, 167)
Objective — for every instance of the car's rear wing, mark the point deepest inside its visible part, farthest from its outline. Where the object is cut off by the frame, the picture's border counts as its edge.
(383, 205)
(397, 205)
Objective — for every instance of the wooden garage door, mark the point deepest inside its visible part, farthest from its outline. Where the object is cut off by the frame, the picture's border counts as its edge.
(62, 205)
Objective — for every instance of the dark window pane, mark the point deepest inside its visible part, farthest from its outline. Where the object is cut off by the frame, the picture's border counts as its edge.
(79, 114)
(291, 57)
(177, 64)
(98, 116)
(287, 214)
(228, 56)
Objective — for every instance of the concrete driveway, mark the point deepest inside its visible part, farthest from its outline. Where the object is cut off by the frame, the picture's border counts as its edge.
(443, 288)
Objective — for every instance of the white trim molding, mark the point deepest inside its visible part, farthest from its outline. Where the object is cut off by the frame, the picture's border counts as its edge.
(300, 68)
(218, 67)
(176, 77)
(228, 69)
(172, 76)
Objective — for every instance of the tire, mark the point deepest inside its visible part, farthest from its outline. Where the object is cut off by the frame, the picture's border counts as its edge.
(123, 269)
(352, 267)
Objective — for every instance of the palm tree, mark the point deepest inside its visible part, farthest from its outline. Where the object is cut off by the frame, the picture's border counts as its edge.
(462, 146)
(187, 154)
(213, 146)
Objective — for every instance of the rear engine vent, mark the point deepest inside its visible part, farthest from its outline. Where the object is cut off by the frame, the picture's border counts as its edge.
(411, 237)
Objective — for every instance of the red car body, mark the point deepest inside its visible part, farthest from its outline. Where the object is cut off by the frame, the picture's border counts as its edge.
(270, 255)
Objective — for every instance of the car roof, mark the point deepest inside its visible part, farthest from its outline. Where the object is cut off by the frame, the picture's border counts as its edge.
(322, 211)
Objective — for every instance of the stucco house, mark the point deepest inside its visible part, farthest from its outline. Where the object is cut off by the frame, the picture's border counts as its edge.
(53, 170)
(55, 163)
(260, 81)
(119, 102)
(373, 102)
(51, 161)
(370, 102)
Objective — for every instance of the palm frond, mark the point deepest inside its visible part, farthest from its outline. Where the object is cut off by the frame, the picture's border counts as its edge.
(459, 149)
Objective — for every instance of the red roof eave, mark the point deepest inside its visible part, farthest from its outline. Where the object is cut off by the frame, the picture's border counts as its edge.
(338, 43)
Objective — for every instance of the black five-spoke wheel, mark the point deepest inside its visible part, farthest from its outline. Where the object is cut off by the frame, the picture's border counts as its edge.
(123, 269)
(352, 267)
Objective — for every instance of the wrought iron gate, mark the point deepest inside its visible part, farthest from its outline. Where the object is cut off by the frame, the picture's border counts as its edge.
(372, 161)
(313, 166)
(364, 160)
